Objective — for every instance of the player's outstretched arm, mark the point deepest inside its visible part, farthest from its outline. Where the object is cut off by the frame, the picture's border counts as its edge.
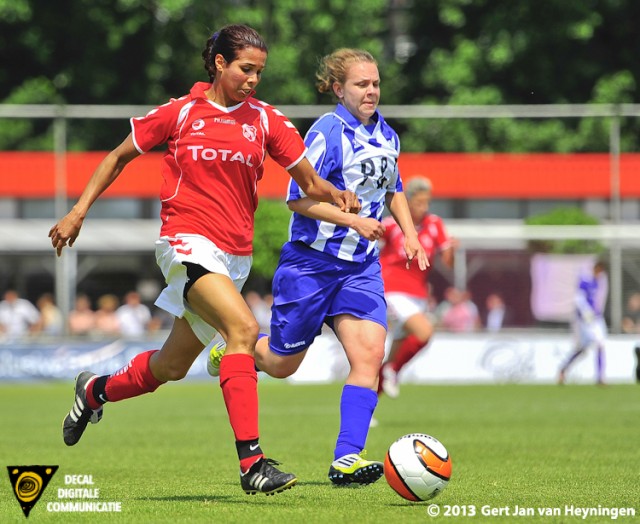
(319, 189)
(68, 228)
(369, 228)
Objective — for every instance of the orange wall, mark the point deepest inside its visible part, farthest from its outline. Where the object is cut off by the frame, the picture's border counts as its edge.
(454, 175)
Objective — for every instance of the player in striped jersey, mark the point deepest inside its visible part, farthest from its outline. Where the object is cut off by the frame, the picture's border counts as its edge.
(329, 271)
(217, 138)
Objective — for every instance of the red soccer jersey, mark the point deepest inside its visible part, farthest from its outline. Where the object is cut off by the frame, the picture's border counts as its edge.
(397, 278)
(214, 159)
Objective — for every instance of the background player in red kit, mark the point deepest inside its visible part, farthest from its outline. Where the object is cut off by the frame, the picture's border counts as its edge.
(217, 138)
(407, 289)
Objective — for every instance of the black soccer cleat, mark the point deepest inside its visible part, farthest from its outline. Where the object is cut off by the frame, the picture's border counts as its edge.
(81, 414)
(263, 477)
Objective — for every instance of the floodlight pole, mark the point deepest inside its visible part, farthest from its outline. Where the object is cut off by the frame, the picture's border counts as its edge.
(66, 264)
(615, 253)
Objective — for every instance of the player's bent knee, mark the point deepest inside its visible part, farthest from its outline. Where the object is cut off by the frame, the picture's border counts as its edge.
(282, 367)
(244, 333)
(376, 356)
(283, 372)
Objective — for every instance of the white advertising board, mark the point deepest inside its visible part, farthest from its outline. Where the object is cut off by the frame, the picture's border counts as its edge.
(482, 358)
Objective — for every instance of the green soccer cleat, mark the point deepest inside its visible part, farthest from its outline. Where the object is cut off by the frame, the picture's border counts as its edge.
(215, 356)
(353, 468)
(263, 477)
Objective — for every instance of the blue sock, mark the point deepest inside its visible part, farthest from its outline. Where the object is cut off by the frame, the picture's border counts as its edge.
(599, 363)
(356, 409)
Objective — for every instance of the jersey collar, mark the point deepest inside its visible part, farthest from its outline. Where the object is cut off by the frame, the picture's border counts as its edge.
(351, 120)
(198, 91)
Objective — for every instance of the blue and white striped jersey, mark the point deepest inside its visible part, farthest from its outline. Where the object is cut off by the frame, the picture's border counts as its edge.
(350, 156)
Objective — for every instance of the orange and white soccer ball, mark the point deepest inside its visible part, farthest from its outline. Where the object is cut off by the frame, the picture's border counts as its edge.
(417, 467)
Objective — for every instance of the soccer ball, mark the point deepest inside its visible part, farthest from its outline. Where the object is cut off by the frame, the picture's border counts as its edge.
(417, 467)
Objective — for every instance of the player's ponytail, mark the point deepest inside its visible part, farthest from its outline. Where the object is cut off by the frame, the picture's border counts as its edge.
(209, 56)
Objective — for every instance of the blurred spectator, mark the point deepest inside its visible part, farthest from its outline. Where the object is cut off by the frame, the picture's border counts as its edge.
(160, 320)
(631, 317)
(471, 305)
(268, 300)
(495, 312)
(106, 319)
(461, 315)
(18, 316)
(444, 305)
(82, 319)
(432, 306)
(260, 308)
(133, 316)
(51, 320)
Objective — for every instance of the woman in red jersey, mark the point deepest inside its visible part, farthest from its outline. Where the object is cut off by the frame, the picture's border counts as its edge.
(217, 139)
(406, 289)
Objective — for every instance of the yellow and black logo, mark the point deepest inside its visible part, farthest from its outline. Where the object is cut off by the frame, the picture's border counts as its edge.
(29, 483)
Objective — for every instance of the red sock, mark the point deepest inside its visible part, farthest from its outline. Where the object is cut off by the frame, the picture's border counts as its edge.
(246, 463)
(132, 380)
(239, 383)
(91, 400)
(408, 349)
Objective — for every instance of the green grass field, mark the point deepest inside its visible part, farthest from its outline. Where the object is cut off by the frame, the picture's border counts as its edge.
(170, 456)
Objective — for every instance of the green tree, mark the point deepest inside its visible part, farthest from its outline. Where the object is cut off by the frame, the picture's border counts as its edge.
(271, 232)
(505, 52)
(430, 52)
(564, 216)
(144, 52)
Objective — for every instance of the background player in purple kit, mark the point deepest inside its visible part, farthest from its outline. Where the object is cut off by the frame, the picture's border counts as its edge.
(329, 271)
(590, 329)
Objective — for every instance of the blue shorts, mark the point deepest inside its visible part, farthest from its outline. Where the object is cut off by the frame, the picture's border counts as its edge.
(311, 287)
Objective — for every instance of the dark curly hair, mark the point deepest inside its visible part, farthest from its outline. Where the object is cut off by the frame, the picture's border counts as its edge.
(227, 42)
